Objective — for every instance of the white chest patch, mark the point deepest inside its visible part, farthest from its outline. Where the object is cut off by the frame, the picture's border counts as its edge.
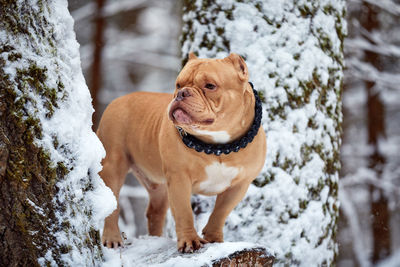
(221, 137)
(219, 177)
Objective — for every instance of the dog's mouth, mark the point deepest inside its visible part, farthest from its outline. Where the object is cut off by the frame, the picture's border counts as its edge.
(180, 115)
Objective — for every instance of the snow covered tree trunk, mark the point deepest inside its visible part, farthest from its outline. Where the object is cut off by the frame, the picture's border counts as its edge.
(294, 51)
(51, 196)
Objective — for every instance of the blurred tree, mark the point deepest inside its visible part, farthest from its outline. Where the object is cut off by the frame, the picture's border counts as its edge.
(138, 50)
(370, 194)
(295, 58)
(45, 215)
(96, 73)
(376, 131)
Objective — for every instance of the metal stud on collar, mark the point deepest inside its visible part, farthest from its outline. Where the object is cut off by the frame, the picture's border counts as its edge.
(181, 132)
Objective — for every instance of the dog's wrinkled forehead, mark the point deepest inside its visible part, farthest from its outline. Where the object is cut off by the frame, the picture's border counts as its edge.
(198, 71)
(230, 72)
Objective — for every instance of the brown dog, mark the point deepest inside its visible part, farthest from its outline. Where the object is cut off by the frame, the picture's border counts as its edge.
(145, 132)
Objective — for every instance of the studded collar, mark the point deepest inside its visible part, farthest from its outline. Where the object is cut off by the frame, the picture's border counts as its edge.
(219, 149)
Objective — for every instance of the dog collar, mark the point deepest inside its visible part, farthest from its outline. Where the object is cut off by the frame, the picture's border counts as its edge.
(217, 149)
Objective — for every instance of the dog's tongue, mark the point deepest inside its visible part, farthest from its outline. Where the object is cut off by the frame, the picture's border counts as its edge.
(181, 116)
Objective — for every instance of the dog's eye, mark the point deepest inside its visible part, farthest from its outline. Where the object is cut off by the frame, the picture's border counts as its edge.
(178, 86)
(210, 86)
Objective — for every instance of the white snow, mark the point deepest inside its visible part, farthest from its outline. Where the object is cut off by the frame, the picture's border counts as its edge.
(72, 123)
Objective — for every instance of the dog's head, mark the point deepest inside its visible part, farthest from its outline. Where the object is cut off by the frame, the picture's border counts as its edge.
(212, 97)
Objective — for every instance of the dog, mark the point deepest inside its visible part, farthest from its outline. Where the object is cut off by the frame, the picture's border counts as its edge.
(203, 139)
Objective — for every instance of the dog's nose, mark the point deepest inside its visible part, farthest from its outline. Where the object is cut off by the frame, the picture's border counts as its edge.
(182, 94)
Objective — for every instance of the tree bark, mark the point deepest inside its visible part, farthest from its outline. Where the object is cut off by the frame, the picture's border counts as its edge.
(250, 257)
(295, 198)
(44, 215)
(96, 75)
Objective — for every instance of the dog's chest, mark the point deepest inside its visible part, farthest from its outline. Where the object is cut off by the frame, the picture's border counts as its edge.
(218, 177)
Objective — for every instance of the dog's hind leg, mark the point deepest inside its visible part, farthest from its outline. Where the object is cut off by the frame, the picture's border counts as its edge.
(157, 209)
(115, 168)
(158, 202)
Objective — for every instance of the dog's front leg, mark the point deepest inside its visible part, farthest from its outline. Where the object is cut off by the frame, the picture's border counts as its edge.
(225, 203)
(179, 193)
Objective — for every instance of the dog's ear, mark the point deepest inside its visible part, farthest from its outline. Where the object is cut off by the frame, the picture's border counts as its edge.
(192, 56)
(240, 66)
(188, 58)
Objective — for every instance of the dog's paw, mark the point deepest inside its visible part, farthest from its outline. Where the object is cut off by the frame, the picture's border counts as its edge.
(190, 244)
(112, 240)
(213, 237)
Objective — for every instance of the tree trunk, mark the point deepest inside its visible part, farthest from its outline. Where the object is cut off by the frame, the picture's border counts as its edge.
(96, 77)
(294, 52)
(46, 216)
(376, 130)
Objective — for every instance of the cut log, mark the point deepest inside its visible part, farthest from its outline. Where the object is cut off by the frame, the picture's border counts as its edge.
(247, 257)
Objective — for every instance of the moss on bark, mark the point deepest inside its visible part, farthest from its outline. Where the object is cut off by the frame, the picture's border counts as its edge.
(27, 216)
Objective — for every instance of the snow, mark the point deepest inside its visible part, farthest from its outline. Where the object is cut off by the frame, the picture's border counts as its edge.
(76, 111)
(79, 148)
(161, 251)
(79, 137)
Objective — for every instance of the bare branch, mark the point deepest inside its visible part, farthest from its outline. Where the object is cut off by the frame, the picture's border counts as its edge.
(367, 72)
(378, 47)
